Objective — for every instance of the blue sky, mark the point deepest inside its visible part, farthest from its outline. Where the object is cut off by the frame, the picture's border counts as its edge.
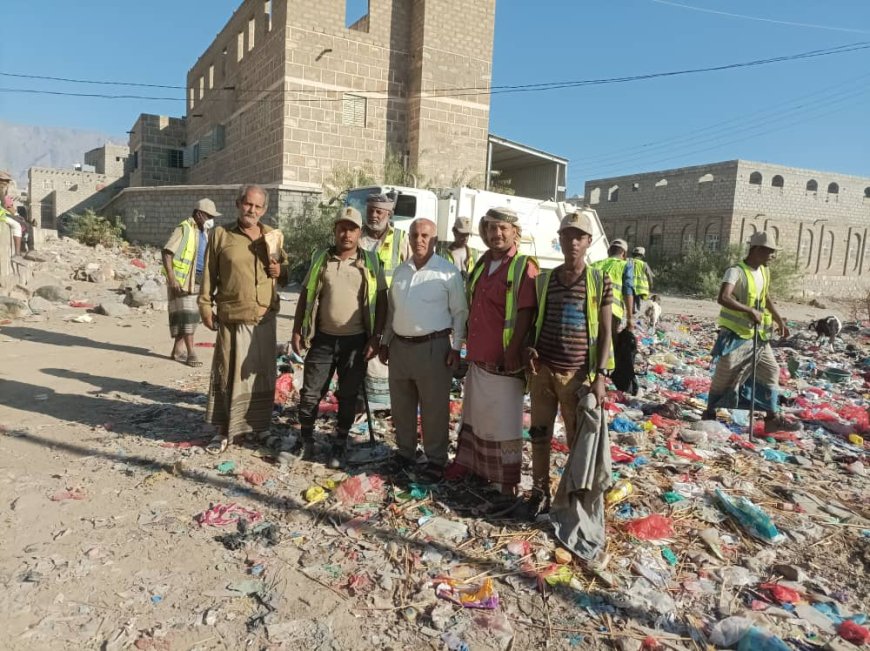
(811, 113)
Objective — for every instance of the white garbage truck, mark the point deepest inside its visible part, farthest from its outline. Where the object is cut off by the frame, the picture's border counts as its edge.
(539, 219)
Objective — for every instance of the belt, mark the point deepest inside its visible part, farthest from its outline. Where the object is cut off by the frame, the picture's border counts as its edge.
(424, 338)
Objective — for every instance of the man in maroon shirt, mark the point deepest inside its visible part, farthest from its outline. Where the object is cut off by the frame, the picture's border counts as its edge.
(501, 293)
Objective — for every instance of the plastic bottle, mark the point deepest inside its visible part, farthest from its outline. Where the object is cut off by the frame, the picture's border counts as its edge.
(620, 491)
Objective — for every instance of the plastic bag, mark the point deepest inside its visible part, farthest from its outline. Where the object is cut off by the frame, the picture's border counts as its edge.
(283, 388)
(618, 455)
(652, 527)
(756, 639)
(621, 424)
(468, 595)
(781, 593)
(353, 489)
(854, 633)
(754, 520)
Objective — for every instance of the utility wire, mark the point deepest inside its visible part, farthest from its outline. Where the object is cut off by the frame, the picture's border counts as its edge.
(760, 19)
(455, 92)
(737, 123)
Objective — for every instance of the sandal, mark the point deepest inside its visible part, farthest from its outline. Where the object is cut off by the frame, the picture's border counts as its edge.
(218, 444)
(193, 360)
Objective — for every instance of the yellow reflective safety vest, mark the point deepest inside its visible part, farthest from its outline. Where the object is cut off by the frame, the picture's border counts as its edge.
(470, 257)
(389, 251)
(594, 289)
(185, 256)
(312, 290)
(742, 324)
(516, 271)
(615, 268)
(641, 280)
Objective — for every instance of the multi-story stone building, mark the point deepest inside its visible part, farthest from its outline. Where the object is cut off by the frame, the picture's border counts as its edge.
(290, 89)
(821, 218)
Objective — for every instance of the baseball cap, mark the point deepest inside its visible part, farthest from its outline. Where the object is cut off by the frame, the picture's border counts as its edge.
(207, 206)
(638, 250)
(622, 244)
(764, 239)
(577, 219)
(349, 214)
(462, 225)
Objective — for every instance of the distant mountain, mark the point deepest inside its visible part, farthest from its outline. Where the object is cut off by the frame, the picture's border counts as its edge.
(23, 146)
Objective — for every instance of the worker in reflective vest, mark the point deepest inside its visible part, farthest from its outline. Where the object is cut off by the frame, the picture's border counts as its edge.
(458, 252)
(622, 280)
(339, 318)
(183, 260)
(501, 292)
(747, 306)
(389, 243)
(643, 276)
(570, 349)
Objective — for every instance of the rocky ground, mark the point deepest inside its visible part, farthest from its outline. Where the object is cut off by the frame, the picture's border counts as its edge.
(109, 543)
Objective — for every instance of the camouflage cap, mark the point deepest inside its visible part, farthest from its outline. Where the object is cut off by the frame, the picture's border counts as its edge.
(502, 214)
(462, 225)
(349, 214)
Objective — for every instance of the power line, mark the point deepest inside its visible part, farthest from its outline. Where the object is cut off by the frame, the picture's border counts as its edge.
(760, 19)
(683, 154)
(449, 92)
(772, 113)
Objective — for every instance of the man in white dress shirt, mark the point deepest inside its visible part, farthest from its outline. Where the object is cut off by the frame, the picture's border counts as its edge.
(424, 333)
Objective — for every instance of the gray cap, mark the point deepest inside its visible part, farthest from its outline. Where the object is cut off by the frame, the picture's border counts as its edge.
(207, 206)
(349, 214)
(638, 250)
(764, 239)
(622, 244)
(462, 225)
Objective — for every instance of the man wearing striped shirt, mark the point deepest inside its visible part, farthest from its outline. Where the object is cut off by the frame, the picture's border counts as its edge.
(570, 348)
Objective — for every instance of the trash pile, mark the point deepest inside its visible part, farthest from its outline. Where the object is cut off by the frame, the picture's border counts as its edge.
(714, 538)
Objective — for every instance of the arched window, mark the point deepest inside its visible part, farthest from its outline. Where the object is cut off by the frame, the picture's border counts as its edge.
(687, 240)
(712, 236)
(635, 187)
(867, 193)
(833, 188)
(595, 196)
(662, 183)
(706, 178)
(613, 193)
(777, 181)
(755, 178)
(630, 235)
(773, 230)
(812, 185)
(655, 241)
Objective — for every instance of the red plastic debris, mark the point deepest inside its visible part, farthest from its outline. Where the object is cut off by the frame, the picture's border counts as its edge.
(136, 262)
(253, 478)
(558, 446)
(283, 388)
(652, 527)
(854, 633)
(662, 423)
(683, 450)
(742, 442)
(204, 344)
(782, 436)
(83, 304)
(353, 489)
(220, 515)
(618, 455)
(69, 494)
(781, 593)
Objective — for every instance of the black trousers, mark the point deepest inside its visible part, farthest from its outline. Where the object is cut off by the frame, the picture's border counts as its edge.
(328, 354)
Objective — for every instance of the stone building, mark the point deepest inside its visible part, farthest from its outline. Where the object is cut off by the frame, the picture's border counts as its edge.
(821, 218)
(291, 89)
(109, 159)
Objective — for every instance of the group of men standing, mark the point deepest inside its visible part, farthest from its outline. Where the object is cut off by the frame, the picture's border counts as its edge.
(378, 296)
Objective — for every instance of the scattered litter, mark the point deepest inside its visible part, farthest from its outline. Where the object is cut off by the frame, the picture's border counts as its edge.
(220, 515)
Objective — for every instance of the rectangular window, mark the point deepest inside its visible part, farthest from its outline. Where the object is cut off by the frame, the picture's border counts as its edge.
(267, 11)
(175, 158)
(711, 241)
(356, 15)
(135, 164)
(201, 87)
(224, 65)
(353, 110)
(219, 140)
(195, 153)
(211, 76)
(252, 30)
(240, 46)
(191, 94)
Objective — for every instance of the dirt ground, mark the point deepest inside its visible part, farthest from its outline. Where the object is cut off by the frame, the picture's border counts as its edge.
(91, 411)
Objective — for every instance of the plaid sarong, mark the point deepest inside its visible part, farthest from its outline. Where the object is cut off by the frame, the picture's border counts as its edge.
(183, 314)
